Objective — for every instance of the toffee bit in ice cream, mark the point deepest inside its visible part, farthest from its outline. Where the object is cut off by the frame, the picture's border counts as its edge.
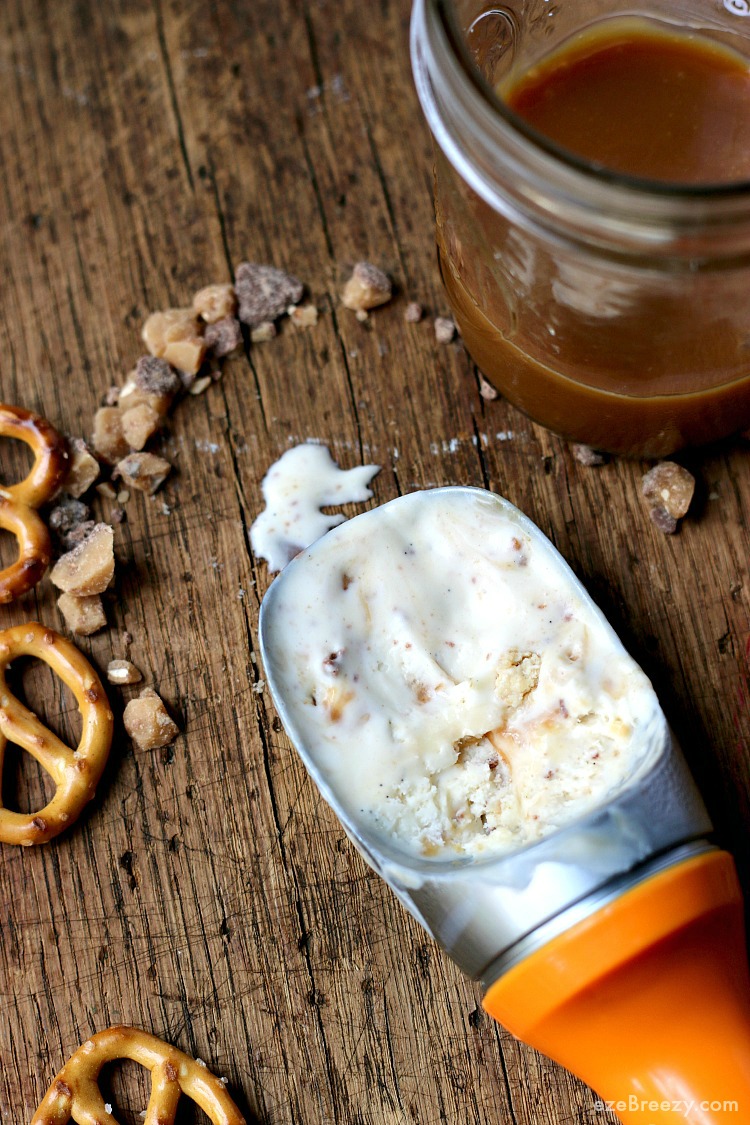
(451, 682)
(304, 480)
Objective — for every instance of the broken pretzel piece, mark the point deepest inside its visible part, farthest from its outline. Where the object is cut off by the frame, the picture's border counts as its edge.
(148, 722)
(18, 502)
(88, 568)
(75, 772)
(50, 456)
(75, 1095)
(34, 549)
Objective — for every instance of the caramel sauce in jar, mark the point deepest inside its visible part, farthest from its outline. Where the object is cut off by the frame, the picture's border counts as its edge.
(636, 343)
(646, 103)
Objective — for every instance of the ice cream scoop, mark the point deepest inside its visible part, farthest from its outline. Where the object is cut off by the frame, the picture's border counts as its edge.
(497, 756)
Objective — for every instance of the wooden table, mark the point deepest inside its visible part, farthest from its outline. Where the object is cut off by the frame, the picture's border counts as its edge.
(209, 895)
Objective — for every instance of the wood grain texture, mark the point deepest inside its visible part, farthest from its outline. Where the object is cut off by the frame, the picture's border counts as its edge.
(209, 895)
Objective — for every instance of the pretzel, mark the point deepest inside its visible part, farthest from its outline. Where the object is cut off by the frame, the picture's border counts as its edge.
(19, 501)
(75, 1095)
(75, 772)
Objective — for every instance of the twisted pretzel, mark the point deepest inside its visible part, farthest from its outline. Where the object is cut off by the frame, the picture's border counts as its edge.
(19, 501)
(75, 772)
(75, 1095)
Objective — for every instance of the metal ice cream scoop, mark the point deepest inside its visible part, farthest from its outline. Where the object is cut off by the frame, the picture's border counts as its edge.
(588, 939)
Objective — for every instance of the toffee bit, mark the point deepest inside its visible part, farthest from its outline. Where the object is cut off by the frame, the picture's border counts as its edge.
(66, 515)
(669, 486)
(88, 568)
(140, 424)
(123, 672)
(486, 390)
(215, 302)
(587, 456)
(151, 383)
(144, 471)
(148, 722)
(332, 662)
(303, 316)
(662, 519)
(367, 288)
(264, 292)
(445, 329)
(263, 332)
(155, 376)
(201, 385)
(413, 313)
(107, 439)
(176, 335)
(82, 615)
(83, 468)
(224, 337)
(77, 534)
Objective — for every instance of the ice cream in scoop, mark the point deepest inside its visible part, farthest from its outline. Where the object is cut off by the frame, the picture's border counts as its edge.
(453, 683)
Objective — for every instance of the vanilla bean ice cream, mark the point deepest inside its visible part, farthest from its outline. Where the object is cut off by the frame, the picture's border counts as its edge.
(453, 684)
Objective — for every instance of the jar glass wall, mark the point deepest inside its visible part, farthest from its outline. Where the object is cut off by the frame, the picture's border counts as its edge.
(612, 310)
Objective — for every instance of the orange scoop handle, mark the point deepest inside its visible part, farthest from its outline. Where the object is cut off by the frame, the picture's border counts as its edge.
(648, 1000)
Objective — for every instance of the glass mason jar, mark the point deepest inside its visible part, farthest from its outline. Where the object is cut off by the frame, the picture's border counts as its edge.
(613, 310)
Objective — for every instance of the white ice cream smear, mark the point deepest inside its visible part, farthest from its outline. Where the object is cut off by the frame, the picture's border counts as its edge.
(295, 488)
(452, 681)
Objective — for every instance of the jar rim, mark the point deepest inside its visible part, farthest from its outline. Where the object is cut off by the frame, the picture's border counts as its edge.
(642, 186)
(506, 164)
